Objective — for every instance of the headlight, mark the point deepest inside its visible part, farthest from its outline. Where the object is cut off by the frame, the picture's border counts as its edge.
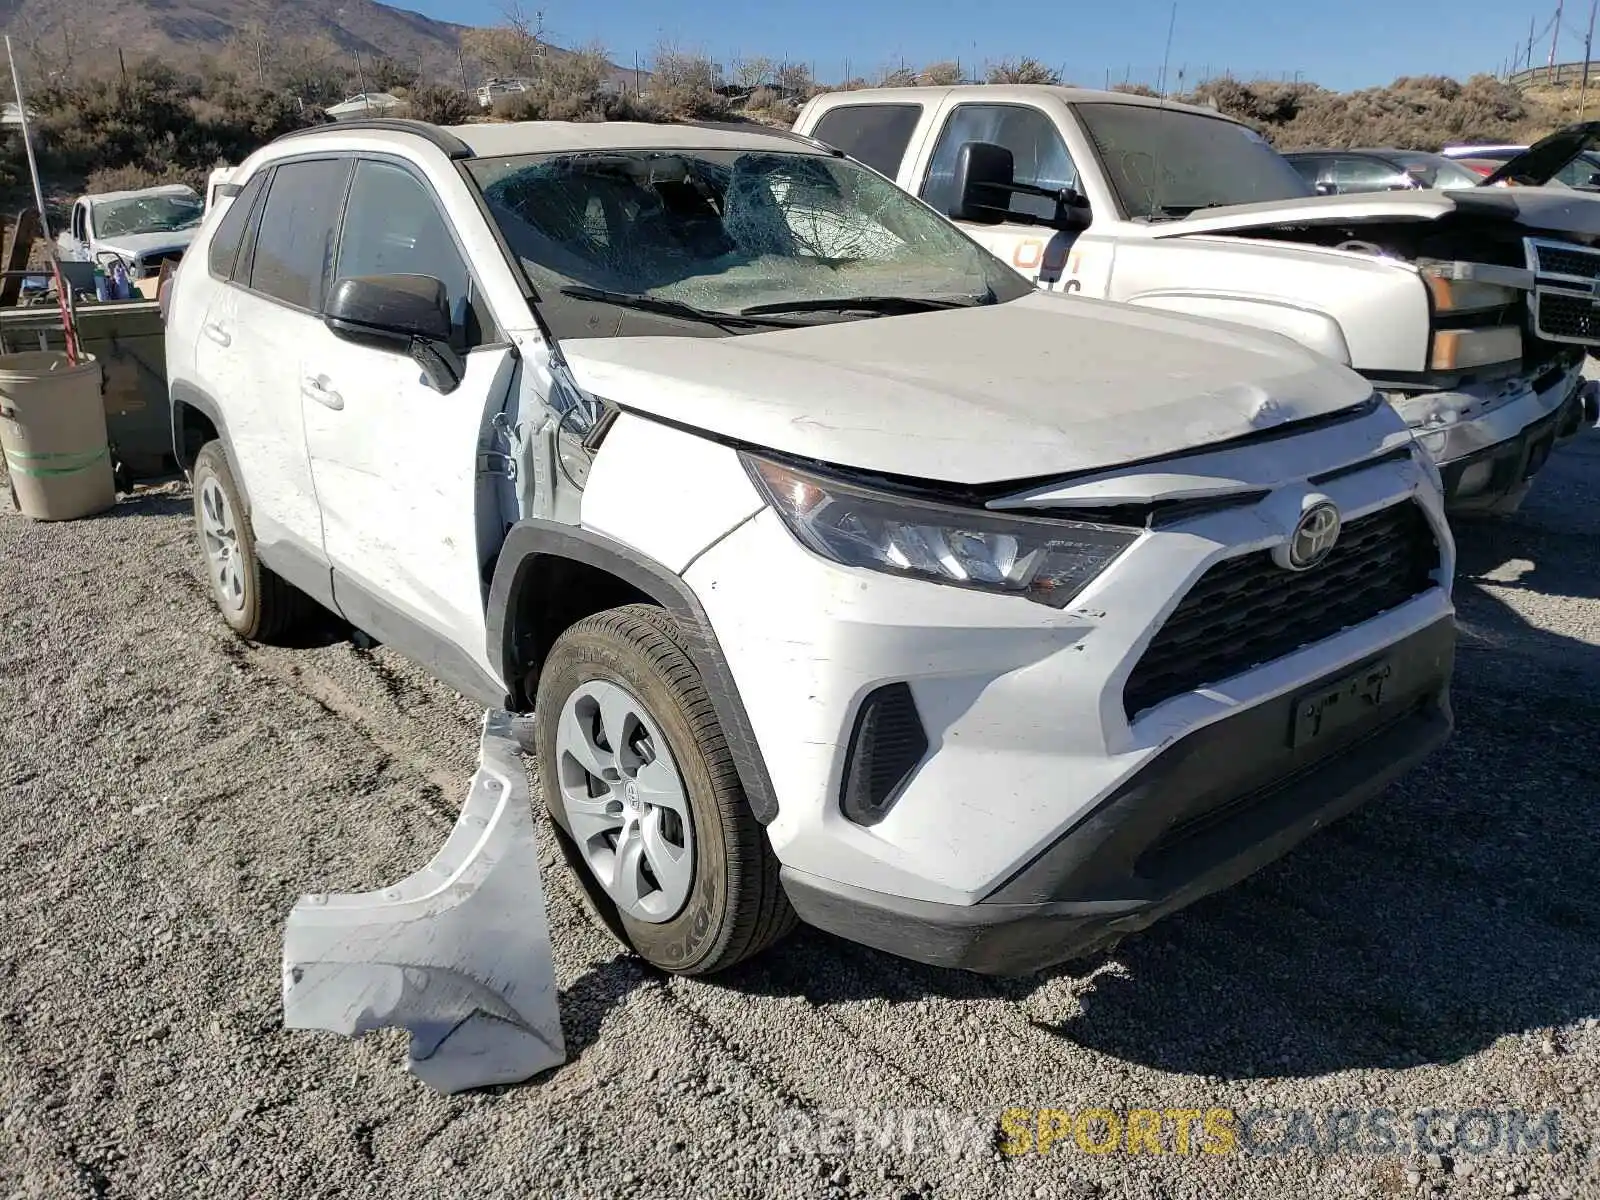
(1462, 349)
(1468, 295)
(1046, 561)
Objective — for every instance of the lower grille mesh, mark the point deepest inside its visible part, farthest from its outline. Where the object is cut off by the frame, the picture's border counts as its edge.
(1567, 318)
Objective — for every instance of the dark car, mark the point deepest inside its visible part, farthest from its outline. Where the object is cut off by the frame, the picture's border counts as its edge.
(1341, 172)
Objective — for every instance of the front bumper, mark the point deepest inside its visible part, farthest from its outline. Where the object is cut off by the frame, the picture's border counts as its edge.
(1488, 459)
(1207, 812)
(1024, 711)
(1495, 479)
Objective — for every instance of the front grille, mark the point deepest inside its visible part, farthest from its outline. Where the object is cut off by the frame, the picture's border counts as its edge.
(1561, 317)
(1248, 611)
(1572, 261)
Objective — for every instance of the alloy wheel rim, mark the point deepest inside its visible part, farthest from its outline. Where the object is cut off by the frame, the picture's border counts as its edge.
(625, 801)
(219, 537)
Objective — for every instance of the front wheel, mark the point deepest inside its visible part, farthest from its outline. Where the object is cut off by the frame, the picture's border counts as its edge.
(637, 777)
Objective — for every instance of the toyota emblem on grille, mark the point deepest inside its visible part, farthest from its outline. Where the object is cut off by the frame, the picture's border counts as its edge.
(1313, 538)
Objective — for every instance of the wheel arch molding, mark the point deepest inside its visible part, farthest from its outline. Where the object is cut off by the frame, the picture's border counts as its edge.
(526, 614)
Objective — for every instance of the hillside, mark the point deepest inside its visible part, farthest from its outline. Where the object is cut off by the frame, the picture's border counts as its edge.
(90, 30)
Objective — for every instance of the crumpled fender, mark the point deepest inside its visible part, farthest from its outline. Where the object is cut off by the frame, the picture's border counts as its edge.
(458, 954)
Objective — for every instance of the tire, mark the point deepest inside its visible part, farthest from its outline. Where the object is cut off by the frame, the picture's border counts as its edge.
(732, 906)
(257, 604)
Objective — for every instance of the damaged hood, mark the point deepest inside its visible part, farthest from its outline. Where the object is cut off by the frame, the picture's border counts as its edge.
(1042, 385)
(1558, 209)
(1546, 158)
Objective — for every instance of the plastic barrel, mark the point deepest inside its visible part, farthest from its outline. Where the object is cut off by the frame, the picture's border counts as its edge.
(53, 434)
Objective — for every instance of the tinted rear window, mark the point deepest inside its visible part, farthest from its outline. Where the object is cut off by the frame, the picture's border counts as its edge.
(294, 243)
(876, 134)
(225, 242)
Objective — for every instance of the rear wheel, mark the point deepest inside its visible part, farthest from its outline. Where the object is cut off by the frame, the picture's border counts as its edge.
(255, 602)
(637, 777)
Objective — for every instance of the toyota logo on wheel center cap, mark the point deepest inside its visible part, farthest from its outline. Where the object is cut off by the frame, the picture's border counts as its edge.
(1313, 539)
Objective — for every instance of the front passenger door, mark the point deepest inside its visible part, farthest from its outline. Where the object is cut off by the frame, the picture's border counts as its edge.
(1039, 153)
(406, 514)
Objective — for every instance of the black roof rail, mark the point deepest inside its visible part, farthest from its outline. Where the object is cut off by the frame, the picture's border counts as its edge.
(441, 138)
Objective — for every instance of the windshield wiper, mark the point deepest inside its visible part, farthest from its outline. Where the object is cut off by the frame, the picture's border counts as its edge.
(667, 307)
(877, 304)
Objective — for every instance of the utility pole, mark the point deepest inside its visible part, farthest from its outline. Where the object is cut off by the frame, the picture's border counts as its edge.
(1527, 55)
(261, 60)
(122, 65)
(361, 76)
(1588, 40)
(1555, 35)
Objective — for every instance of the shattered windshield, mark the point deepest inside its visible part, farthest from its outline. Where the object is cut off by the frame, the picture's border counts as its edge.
(1166, 162)
(147, 214)
(700, 235)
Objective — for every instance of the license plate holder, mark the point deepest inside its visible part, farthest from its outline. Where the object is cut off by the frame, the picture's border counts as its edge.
(1336, 705)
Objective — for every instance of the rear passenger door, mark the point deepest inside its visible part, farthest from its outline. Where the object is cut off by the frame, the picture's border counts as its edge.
(876, 134)
(249, 349)
(400, 469)
(1038, 251)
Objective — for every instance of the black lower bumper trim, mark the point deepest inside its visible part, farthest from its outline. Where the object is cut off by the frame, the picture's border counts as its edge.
(1206, 813)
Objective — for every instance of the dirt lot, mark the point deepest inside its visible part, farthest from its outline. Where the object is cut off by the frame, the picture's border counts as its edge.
(169, 791)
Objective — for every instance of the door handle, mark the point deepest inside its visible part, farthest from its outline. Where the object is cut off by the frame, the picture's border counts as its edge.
(216, 333)
(316, 388)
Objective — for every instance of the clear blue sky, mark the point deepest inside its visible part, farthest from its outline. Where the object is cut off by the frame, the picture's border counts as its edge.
(1346, 44)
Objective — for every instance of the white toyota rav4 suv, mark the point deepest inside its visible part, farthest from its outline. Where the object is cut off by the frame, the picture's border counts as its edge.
(847, 576)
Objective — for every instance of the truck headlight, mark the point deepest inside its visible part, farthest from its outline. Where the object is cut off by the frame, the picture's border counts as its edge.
(1463, 349)
(1046, 561)
(1468, 295)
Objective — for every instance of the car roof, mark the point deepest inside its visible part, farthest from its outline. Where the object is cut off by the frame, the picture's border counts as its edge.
(503, 138)
(1000, 93)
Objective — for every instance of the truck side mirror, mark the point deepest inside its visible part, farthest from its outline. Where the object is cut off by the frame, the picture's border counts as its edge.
(985, 174)
(1327, 187)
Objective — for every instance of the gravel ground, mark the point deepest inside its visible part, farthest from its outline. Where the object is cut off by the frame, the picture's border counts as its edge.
(169, 791)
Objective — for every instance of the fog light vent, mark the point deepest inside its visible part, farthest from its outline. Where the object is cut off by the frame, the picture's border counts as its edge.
(886, 747)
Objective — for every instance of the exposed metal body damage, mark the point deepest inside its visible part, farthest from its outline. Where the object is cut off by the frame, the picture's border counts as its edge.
(458, 953)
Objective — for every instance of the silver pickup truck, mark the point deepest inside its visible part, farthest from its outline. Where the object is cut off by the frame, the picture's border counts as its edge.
(1471, 310)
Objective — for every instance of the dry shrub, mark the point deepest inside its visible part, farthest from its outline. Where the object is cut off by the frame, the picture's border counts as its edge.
(440, 105)
(684, 86)
(574, 87)
(1412, 113)
(1023, 70)
(131, 179)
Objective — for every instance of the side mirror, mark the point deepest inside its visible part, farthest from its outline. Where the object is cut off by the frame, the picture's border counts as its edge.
(985, 174)
(1594, 180)
(408, 314)
(986, 180)
(1327, 188)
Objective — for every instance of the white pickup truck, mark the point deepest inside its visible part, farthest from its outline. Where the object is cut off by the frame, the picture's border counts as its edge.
(143, 229)
(1469, 310)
